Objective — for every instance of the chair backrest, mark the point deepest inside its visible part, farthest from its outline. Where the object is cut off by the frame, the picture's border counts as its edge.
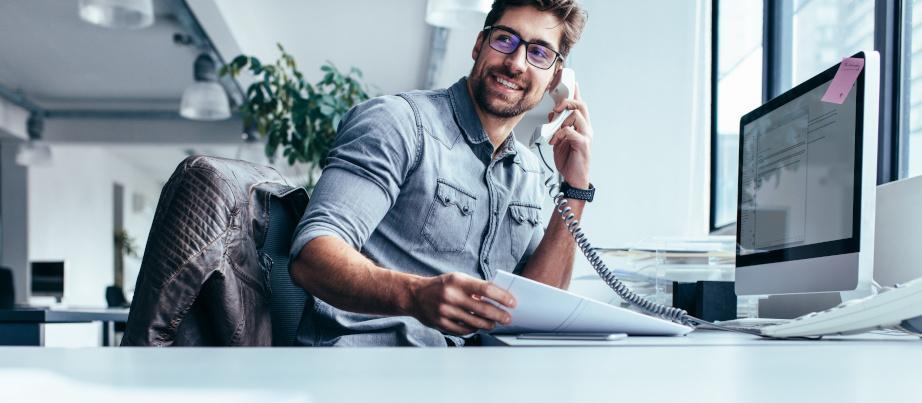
(205, 275)
(115, 297)
(287, 301)
(7, 292)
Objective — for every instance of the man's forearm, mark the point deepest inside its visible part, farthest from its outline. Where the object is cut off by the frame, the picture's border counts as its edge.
(552, 261)
(329, 269)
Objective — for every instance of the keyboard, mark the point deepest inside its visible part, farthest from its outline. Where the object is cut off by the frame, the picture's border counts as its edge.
(886, 310)
(749, 324)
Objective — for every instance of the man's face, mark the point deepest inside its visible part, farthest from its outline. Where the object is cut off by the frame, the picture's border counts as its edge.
(506, 85)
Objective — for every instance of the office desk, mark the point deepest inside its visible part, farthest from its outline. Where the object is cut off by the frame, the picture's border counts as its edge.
(702, 367)
(26, 326)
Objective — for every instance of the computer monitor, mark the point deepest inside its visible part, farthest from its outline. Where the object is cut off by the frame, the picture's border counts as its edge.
(807, 177)
(48, 279)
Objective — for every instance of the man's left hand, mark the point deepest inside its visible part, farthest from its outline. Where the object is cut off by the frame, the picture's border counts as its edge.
(572, 141)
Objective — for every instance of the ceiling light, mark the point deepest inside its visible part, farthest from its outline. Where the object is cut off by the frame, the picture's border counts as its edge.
(34, 152)
(120, 14)
(457, 13)
(205, 99)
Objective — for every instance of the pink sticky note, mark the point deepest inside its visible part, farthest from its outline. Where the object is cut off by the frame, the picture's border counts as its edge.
(844, 80)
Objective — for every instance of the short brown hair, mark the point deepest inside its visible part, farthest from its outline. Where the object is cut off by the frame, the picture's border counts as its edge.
(569, 11)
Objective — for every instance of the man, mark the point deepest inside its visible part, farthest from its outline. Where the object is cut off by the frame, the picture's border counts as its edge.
(428, 193)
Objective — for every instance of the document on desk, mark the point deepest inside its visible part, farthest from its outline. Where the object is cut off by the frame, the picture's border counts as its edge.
(542, 308)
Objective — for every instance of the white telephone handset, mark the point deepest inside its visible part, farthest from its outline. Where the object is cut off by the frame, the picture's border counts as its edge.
(566, 89)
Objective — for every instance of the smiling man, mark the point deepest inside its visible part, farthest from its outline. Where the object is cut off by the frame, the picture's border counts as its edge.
(427, 194)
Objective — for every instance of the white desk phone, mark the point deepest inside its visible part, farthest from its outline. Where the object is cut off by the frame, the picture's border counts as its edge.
(899, 307)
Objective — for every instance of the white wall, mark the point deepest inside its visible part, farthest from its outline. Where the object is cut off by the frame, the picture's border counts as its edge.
(645, 82)
(70, 218)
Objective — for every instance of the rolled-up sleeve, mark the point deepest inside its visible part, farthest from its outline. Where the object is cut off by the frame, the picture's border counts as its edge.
(377, 146)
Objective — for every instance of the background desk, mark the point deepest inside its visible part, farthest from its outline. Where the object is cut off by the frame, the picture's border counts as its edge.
(702, 367)
(26, 326)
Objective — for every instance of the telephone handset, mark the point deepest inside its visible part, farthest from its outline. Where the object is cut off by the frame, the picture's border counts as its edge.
(565, 89)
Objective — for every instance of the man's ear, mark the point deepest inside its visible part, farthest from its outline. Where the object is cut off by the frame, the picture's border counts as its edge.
(475, 53)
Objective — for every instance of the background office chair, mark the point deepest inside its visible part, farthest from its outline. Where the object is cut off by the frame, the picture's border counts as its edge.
(215, 269)
(115, 297)
(7, 292)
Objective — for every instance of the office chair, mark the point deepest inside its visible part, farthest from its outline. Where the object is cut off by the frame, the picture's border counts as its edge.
(115, 297)
(215, 268)
(7, 291)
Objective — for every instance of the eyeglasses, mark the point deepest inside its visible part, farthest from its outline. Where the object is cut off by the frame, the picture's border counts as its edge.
(504, 40)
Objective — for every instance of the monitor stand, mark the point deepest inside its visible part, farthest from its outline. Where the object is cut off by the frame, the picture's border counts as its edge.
(790, 306)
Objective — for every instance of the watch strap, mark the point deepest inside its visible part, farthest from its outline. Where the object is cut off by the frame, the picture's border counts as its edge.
(571, 192)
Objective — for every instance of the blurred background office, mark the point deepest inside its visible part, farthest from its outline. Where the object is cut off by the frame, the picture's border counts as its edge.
(91, 124)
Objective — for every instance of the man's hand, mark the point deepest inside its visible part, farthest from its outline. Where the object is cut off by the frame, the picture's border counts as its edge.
(571, 142)
(454, 303)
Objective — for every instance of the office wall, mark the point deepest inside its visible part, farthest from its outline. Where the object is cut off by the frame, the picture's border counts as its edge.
(643, 69)
(70, 217)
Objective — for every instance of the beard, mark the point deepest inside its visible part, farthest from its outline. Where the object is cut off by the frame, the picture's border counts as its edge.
(504, 106)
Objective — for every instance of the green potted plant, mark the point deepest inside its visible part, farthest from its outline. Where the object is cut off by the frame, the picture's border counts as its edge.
(294, 114)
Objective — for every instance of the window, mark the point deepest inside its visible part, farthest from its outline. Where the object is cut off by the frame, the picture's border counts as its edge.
(825, 31)
(737, 77)
(911, 164)
(765, 47)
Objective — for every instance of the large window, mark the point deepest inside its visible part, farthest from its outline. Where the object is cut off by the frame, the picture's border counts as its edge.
(765, 47)
(911, 164)
(825, 31)
(738, 90)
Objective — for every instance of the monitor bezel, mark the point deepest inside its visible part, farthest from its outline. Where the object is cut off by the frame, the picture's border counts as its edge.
(822, 249)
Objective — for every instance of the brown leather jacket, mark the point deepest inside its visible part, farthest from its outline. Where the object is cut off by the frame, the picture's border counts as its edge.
(203, 280)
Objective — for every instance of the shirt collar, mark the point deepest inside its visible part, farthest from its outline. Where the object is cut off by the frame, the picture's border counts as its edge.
(465, 113)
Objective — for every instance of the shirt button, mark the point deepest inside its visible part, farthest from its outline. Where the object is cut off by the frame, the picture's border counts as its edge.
(495, 211)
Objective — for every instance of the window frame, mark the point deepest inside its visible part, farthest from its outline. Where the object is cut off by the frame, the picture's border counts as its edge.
(777, 23)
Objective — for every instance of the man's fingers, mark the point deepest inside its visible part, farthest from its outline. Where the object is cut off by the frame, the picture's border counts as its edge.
(450, 326)
(579, 123)
(468, 319)
(487, 289)
(571, 104)
(486, 310)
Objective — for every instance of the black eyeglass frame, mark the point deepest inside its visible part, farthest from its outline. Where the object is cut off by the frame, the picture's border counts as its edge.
(489, 31)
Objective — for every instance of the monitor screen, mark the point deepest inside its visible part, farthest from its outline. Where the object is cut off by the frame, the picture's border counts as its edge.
(799, 177)
(48, 279)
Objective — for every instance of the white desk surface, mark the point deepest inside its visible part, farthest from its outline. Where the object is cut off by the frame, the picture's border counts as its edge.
(701, 367)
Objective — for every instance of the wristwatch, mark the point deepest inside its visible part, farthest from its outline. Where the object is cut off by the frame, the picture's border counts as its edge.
(571, 192)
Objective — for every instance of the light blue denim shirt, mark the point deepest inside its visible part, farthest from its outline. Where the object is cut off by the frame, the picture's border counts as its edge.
(412, 183)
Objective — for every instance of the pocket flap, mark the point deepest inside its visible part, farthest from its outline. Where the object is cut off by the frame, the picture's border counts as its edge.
(449, 195)
(525, 213)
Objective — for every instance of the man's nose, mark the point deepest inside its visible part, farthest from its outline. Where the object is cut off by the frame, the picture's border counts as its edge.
(516, 62)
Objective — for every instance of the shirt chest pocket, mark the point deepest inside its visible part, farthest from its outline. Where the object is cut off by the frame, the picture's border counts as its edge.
(448, 222)
(524, 220)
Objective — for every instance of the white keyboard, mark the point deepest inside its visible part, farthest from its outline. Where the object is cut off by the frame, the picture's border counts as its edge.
(884, 310)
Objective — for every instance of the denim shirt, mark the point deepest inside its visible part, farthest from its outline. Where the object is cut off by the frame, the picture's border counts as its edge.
(412, 183)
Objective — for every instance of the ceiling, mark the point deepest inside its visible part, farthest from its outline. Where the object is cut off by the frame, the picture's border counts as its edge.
(53, 57)
(58, 61)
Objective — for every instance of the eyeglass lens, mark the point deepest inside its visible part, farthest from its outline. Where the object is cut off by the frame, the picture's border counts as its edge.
(507, 42)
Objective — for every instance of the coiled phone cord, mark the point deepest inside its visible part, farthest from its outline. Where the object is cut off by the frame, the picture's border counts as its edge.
(649, 307)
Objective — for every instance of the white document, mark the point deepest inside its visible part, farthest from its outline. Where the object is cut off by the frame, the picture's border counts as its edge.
(542, 308)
